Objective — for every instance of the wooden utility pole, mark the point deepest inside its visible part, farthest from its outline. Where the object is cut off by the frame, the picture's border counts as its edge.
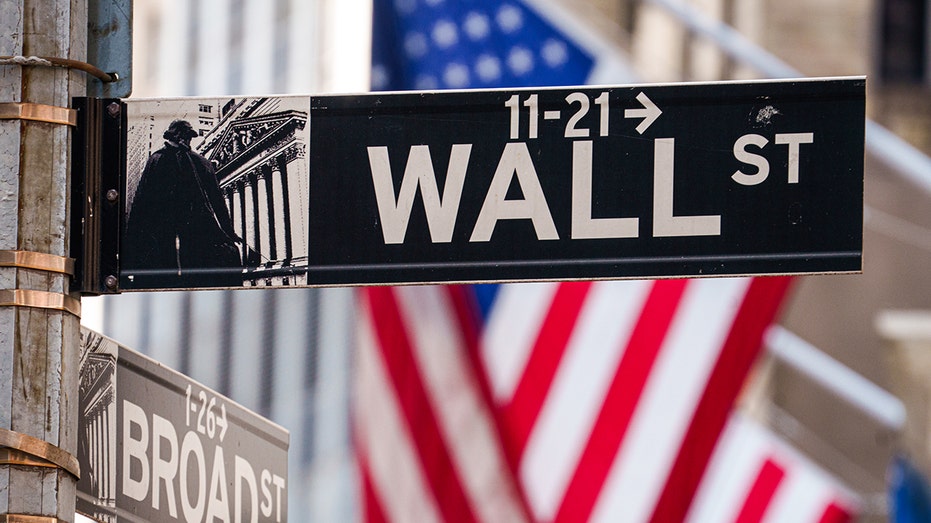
(39, 319)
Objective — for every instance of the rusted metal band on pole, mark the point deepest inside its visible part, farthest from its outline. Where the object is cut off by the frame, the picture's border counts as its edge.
(52, 61)
(40, 300)
(10, 456)
(26, 518)
(38, 261)
(40, 449)
(38, 113)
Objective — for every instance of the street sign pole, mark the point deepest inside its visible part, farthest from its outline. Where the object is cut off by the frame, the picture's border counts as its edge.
(39, 318)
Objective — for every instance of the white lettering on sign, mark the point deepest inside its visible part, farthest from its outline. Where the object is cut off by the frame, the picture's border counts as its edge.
(516, 163)
(583, 225)
(515, 160)
(192, 446)
(743, 155)
(164, 468)
(155, 468)
(134, 446)
(244, 473)
(664, 222)
(574, 126)
(441, 213)
(583, 114)
(793, 140)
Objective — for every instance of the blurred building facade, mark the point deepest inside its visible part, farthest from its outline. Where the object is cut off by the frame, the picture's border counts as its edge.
(287, 353)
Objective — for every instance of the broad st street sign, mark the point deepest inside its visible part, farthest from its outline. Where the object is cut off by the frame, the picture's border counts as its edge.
(155, 445)
(644, 181)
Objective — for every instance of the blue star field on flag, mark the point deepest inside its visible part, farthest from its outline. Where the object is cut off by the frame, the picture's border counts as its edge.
(464, 44)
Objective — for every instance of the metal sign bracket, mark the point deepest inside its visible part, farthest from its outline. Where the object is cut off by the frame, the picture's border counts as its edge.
(98, 160)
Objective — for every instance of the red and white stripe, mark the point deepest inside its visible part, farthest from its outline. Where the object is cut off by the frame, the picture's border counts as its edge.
(612, 394)
(583, 401)
(755, 476)
(426, 436)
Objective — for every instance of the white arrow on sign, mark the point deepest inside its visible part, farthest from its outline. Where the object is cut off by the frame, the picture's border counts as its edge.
(649, 113)
(222, 422)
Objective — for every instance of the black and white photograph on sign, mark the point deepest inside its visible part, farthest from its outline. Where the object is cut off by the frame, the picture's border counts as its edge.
(216, 193)
(97, 449)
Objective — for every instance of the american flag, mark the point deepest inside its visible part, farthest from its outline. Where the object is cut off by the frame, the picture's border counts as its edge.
(440, 44)
(613, 394)
(582, 401)
(755, 473)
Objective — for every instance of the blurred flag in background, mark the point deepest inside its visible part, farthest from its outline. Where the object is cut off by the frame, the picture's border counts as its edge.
(753, 474)
(459, 44)
(577, 401)
(611, 395)
(909, 494)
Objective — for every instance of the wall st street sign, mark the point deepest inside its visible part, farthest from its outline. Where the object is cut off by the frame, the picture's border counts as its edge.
(155, 445)
(681, 180)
